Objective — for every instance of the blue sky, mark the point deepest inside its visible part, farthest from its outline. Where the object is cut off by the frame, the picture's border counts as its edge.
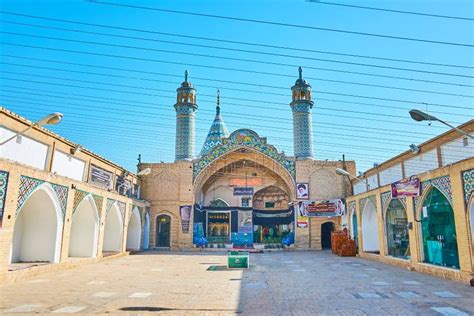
(128, 110)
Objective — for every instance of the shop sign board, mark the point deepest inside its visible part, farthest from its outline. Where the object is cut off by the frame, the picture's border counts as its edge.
(243, 191)
(326, 208)
(100, 177)
(406, 188)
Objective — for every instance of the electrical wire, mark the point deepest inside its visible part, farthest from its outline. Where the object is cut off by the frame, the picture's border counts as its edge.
(307, 27)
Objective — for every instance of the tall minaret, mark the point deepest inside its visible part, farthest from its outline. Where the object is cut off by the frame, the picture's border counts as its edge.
(186, 108)
(302, 122)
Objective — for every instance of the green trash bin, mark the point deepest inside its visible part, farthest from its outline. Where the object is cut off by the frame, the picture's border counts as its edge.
(238, 260)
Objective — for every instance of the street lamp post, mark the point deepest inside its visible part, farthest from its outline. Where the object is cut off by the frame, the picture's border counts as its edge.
(420, 116)
(51, 119)
(343, 172)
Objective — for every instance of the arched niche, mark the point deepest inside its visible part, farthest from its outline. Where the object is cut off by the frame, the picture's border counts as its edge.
(396, 227)
(113, 230)
(38, 228)
(370, 236)
(134, 232)
(272, 194)
(146, 232)
(84, 229)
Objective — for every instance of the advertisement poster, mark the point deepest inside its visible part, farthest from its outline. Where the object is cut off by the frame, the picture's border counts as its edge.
(302, 191)
(100, 177)
(245, 222)
(185, 212)
(327, 208)
(406, 188)
(302, 217)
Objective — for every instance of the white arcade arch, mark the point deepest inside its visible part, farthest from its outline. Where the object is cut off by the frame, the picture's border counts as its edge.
(113, 231)
(38, 227)
(146, 232)
(370, 236)
(84, 229)
(134, 233)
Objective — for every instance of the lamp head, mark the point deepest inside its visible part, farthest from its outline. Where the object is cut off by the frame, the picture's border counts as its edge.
(51, 119)
(419, 116)
(342, 172)
(144, 172)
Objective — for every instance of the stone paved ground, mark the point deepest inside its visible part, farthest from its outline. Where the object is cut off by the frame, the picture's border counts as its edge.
(279, 283)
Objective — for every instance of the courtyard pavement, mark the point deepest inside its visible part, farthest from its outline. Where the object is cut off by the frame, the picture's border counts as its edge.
(278, 283)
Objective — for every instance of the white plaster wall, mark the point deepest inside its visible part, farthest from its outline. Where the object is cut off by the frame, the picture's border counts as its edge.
(37, 232)
(68, 166)
(455, 151)
(359, 187)
(84, 230)
(28, 151)
(134, 231)
(391, 174)
(113, 230)
(421, 163)
(373, 182)
(370, 236)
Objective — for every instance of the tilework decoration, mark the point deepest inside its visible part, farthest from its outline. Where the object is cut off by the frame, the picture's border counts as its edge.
(352, 207)
(468, 185)
(243, 138)
(110, 202)
(28, 185)
(443, 184)
(78, 197)
(98, 203)
(122, 207)
(386, 198)
(3, 192)
(363, 202)
(61, 192)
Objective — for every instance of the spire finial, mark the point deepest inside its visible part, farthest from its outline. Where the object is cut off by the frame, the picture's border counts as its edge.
(186, 73)
(218, 107)
(300, 70)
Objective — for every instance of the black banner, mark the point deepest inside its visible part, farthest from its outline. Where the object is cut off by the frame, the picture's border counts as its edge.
(243, 191)
(100, 177)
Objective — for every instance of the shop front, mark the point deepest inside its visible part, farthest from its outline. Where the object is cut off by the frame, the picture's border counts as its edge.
(398, 244)
(439, 231)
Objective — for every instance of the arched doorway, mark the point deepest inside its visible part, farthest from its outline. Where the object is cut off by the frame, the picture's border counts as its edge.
(84, 229)
(113, 230)
(134, 233)
(370, 236)
(326, 230)
(439, 231)
(38, 228)
(146, 232)
(163, 231)
(398, 243)
(354, 230)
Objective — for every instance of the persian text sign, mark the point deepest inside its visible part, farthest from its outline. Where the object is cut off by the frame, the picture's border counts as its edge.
(325, 208)
(100, 177)
(408, 187)
(243, 191)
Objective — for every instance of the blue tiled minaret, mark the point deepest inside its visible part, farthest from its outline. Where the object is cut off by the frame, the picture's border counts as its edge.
(217, 131)
(302, 122)
(186, 108)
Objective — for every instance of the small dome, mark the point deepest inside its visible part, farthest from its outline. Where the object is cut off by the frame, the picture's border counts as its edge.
(300, 82)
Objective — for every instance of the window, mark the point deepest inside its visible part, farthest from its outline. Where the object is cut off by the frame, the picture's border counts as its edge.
(269, 204)
(245, 202)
